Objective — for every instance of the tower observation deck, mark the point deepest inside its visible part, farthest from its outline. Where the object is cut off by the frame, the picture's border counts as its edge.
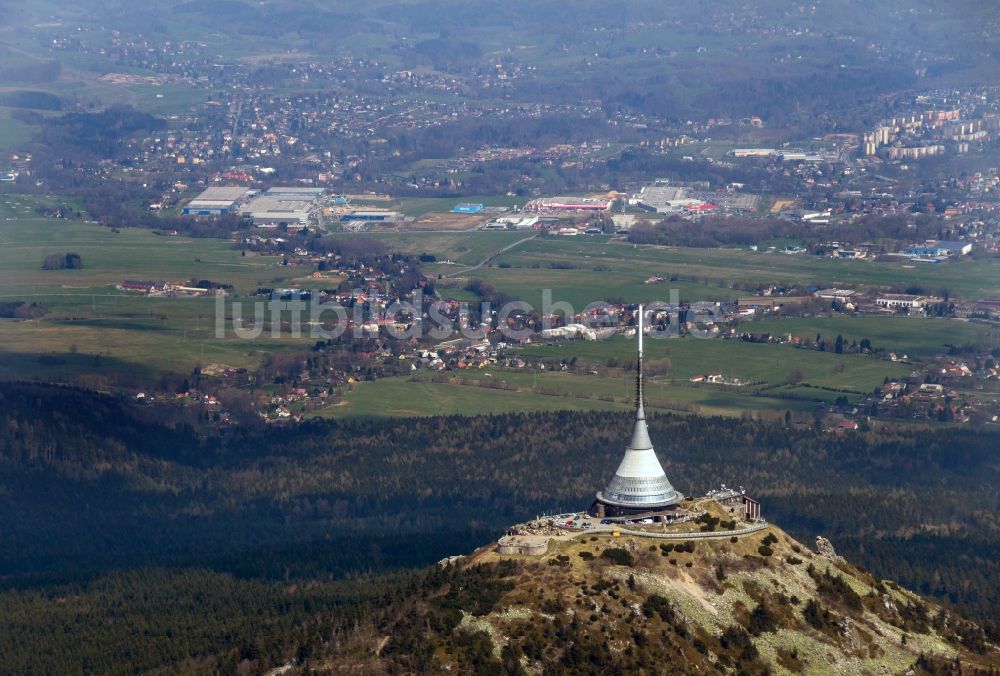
(639, 485)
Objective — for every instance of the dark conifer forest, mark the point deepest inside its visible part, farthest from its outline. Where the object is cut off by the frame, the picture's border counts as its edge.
(91, 491)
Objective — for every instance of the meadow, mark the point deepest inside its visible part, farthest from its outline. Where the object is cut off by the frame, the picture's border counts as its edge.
(583, 269)
(913, 336)
(408, 397)
(758, 362)
(825, 376)
(12, 132)
(94, 328)
(467, 248)
(494, 391)
(110, 256)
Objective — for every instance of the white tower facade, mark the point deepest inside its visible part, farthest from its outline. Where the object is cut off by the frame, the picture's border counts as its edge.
(639, 484)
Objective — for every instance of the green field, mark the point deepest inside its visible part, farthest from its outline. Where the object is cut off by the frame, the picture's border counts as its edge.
(13, 132)
(825, 376)
(914, 336)
(467, 248)
(463, 394)
(747, 361)
(598, 268)
(127, 338)
(109, 257)
(583, 286)
(406, 397)
(91, 327)
(661, 392)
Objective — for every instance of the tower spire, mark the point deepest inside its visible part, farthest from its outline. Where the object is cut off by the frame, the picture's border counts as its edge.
(640, 413)
(639, 486)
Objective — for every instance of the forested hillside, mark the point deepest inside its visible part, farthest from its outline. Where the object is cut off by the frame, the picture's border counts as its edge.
(87, 485)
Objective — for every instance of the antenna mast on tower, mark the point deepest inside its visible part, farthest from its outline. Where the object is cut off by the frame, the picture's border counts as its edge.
(639, 485)
(638, 378)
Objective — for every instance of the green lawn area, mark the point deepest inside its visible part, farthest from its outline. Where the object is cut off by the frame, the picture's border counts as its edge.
(914, 336)
(167, 99)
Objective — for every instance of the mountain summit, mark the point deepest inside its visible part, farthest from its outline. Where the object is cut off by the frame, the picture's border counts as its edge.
(613, 603)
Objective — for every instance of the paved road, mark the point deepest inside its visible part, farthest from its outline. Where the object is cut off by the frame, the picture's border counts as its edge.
(488, 259)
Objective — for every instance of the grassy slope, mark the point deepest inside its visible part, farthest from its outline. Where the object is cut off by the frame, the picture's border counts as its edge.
(706, 593)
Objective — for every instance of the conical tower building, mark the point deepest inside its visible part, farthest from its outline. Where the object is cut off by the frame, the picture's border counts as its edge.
(639, 485)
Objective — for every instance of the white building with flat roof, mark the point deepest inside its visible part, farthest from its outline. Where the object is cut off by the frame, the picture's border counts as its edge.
(215, 201)
(901, 300)
(284, 206)
(662, 198)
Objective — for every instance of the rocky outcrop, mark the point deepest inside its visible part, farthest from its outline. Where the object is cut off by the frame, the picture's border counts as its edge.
(825, 549)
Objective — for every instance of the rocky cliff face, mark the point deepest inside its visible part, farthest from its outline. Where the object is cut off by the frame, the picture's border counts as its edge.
(604, 604)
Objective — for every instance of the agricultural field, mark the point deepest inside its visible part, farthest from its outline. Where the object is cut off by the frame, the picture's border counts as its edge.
(467, 248)
(109, 256)
(586, 268)
(825, 376)
(489, 391)
(757, 362)
(580, 287)
(13, 133)
(409, 397)
(125, 341)
(91, 327)
(913, 336)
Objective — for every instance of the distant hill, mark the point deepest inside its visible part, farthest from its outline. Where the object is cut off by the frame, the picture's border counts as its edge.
(763, 604)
